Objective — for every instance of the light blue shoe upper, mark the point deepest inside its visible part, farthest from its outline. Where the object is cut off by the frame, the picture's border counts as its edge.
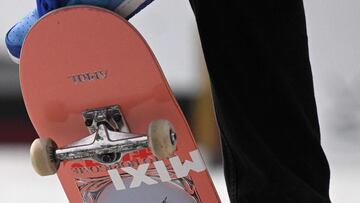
(16, 35)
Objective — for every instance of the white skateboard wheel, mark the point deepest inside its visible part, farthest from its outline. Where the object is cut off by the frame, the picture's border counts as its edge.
(42, 153)
(162, 138)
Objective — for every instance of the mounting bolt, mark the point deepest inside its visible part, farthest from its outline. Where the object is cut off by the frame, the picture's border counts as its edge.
(88, 122)
(117, 117)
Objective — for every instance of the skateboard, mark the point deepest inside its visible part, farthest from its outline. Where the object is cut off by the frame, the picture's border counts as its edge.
(108, 123)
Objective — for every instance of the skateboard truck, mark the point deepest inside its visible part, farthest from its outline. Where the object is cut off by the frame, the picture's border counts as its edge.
(110, 116)
(109, 139)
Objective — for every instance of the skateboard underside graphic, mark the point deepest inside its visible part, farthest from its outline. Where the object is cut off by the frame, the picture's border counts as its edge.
(108, 123)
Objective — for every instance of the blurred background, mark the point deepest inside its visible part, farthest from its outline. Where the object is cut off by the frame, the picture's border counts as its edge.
(170, 29)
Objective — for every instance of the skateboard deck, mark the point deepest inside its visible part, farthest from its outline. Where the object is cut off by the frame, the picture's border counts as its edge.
(80, 60)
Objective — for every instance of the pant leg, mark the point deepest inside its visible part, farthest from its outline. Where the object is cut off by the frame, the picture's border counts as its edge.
(258, 62)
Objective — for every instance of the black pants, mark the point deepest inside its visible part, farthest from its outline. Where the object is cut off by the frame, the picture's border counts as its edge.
(258, 61)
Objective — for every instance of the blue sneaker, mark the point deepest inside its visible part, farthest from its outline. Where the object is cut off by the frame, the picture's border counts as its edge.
(16, 35)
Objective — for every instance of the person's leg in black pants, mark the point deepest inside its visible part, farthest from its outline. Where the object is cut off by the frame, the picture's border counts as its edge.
(257, 57)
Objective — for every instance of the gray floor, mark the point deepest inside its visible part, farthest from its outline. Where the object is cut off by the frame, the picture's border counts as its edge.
(21, 184)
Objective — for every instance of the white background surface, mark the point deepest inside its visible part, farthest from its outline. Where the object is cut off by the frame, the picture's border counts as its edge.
(169, 27)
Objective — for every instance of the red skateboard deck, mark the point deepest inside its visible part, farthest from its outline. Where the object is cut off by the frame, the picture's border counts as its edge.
(80, 58)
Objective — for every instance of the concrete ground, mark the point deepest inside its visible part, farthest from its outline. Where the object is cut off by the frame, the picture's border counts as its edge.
(21, 184)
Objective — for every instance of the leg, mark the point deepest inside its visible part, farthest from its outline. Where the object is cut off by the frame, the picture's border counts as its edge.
(257, 57)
